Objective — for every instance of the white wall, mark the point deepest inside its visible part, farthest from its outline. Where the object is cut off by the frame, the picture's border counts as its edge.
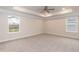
(57, 26)
(30, 25)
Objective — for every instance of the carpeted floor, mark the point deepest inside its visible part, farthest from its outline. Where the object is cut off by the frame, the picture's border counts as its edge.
(41, 43)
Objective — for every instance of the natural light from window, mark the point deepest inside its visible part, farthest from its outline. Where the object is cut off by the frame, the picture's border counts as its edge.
(14, 23)
(71, 24)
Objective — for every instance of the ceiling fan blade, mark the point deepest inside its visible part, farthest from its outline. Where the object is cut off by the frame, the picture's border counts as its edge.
(51, 9)
(46, 8)
(47, 11)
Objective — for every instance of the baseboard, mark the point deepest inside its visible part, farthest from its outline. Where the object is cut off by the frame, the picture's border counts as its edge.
(22, 37)
(32, 35)
(62, 35)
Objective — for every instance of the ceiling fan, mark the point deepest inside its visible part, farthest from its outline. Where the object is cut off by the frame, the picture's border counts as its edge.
(46, 11)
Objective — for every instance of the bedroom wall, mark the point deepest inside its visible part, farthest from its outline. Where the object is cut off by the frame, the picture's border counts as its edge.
(30, 25)
(57, 26)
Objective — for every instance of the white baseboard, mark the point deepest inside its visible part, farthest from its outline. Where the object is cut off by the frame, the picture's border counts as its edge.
(65, 36)
(21, 37)
(27, 36)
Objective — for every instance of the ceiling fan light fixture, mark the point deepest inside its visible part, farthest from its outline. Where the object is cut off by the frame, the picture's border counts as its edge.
(45, 12)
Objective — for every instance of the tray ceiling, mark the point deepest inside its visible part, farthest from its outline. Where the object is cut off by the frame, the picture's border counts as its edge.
(37, 9)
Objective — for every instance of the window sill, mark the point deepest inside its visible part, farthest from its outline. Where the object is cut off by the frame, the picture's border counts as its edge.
(13, 32)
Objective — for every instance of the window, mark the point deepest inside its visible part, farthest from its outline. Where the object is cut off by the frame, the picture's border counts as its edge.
(14, 23)
(71, 24)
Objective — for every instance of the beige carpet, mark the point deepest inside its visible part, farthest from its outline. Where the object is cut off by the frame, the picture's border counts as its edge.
(41, 43)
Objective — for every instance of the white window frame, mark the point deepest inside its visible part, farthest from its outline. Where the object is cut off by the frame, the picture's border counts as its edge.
(76, 20)
(19, 24)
